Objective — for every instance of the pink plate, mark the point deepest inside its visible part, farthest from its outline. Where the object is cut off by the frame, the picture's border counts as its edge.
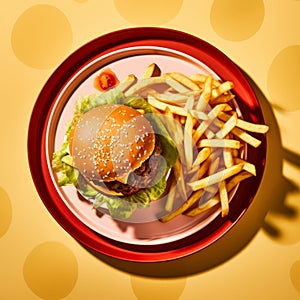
(131, 51)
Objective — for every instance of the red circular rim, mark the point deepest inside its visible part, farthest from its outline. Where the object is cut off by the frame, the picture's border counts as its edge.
(145, 36)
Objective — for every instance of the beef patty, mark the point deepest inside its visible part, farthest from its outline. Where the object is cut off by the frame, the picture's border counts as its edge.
(141, 177)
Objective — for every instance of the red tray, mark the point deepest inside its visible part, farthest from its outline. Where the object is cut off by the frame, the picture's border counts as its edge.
(79, 65)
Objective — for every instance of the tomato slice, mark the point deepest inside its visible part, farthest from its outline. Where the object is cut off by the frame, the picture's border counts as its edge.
(106, 80)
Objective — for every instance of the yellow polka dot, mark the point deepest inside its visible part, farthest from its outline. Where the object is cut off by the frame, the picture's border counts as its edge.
(50, 270)
(295, 275)
(149, 289)
(148, 12)
(5, 212)
(237, 20)
(41, 37)
(284, 78)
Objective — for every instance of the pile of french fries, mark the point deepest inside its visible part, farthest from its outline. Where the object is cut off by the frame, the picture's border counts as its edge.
(211, 136)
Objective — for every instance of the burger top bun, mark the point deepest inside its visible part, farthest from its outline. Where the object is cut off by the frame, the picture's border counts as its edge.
(110, 141)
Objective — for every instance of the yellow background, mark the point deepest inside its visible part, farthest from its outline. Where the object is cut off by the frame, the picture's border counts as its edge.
(259, 259)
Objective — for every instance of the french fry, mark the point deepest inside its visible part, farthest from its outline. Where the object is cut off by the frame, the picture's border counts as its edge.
(204, 98)
(223, 198)
(188, 141)
(176, 85)
(219, 143)
(235, 152)
(204, 167)
(162, 106)
(212, 115)
(204, 207)
(189, 103)
(235, 180)
(169, 115)
(177, 118)
(200, 115)
(184, 80)
(207, 88)
(250, 168)
(171, 196)
(246, 137)
(175, 130)
(127, 82)
(216, 199)
(200, 79)
(130, 77)
(227, 157)
(152, 71)
(247, 126)
(181, 186)
(209, 134)
(201, 129)
(214, 166)
(144, 83)
(174, 99)
(228, 126)
(217, 123)
(197, 172)
(146, 91)
(203, 154)
(221, 89)
(182, 120)
(216, 177)
(224, 98)
(181, 209)
(243, 135)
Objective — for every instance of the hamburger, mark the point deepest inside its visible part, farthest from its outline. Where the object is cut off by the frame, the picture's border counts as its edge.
(115, 148)
(117, 153)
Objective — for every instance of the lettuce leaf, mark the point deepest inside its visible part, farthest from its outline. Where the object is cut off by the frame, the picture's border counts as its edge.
(118, 208)
(68, 175)
(86, 189)
(157, 190)
(86, 103)
(57, 163)
(124, 207)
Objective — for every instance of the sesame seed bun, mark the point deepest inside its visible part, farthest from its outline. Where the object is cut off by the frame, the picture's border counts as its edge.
(111, 141)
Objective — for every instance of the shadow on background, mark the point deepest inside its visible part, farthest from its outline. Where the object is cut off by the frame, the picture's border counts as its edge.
(270, 196)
